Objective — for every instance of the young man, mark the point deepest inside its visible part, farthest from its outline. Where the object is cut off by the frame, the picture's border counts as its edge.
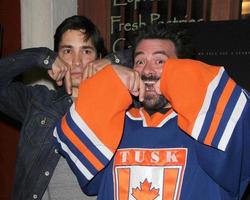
(40, 171)
(189, 140)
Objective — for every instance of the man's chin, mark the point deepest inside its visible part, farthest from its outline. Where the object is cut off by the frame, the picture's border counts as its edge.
(154, 103)
(76, 83)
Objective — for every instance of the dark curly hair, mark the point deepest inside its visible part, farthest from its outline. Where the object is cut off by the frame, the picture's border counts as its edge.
(173, 32)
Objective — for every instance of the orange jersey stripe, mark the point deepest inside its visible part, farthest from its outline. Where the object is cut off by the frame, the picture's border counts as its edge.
(224, 98)
(123, 178)
(134, 112)
(80, 146)
(169, 188)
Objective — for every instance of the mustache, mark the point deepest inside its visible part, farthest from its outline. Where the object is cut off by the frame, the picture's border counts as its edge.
(150, 77)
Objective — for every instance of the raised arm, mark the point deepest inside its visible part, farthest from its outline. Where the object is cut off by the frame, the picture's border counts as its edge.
(90, 132)
(215, 111)
(14, 95)
(203, 96)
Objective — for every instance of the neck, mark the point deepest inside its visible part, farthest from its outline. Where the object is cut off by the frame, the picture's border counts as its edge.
(162, 110)
(74, 93)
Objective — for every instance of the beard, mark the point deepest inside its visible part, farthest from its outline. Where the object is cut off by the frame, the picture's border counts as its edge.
(152, 101)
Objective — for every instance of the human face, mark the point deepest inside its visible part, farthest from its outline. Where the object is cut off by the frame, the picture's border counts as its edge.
(77, 52)
(150, 56)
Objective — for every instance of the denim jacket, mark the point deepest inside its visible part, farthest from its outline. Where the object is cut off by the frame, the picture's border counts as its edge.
(38, 109)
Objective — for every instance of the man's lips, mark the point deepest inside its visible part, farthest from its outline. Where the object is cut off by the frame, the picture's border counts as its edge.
(76, 73)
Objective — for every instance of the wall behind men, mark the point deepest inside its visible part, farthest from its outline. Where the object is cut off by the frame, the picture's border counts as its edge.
(39, 20)
(224, 43)
(9, 133)
(10, 20)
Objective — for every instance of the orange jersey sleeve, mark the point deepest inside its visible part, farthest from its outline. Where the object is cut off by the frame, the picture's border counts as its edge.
(102, 103)
(208, 102)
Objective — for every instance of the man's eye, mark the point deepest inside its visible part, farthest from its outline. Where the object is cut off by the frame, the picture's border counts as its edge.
(160, 62)
(139, 62)
(66, 51)
(87, 51)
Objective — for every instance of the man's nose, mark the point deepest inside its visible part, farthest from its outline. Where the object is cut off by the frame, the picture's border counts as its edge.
(148, 68)
(77, 60)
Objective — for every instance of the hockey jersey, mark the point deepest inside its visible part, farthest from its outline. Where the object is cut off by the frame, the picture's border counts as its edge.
(197, 150)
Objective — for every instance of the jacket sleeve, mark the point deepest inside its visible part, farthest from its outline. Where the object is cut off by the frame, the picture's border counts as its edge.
(215, 111)
(14, 95)
(89, 134)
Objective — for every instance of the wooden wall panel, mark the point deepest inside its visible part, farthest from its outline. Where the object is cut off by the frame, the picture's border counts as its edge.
(11, 21)
(9, 134)
(99, 12)
(8, 142)
(225, 10)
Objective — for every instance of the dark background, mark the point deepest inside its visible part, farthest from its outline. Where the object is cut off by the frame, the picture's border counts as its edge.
(225, 43)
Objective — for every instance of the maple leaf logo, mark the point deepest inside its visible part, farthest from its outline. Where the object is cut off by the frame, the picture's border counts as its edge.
(144, 192)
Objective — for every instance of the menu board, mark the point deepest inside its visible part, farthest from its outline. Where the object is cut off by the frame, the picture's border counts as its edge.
(127, 16)
(216, 42)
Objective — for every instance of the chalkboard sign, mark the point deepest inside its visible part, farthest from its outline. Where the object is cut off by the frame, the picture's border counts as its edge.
(129, 15)
(217, 42)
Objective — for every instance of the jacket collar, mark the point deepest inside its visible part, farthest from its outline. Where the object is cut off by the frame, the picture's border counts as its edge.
(60, 93)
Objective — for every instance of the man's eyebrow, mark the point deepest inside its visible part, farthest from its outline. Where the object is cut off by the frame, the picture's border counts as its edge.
(87, 47)
(161, 52)
(154, 53)
(138, 53)
(82, 47)
(65, 46)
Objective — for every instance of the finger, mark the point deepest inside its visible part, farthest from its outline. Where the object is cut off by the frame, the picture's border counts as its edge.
(58, 69)
(90, 71)
(50, 72)
(59, 83)
(62, 75)
(141, 91)
(67, 82)
(59, 76)
(85, 74)
(135, 83)
(56, 73)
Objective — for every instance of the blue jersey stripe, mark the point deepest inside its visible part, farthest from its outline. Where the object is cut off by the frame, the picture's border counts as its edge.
(226, 115)
(84, 139)
(82, 178)
(212, 107)
(76, 152)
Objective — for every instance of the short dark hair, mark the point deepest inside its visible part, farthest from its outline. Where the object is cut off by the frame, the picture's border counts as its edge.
(173, 32)
(78, 22)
